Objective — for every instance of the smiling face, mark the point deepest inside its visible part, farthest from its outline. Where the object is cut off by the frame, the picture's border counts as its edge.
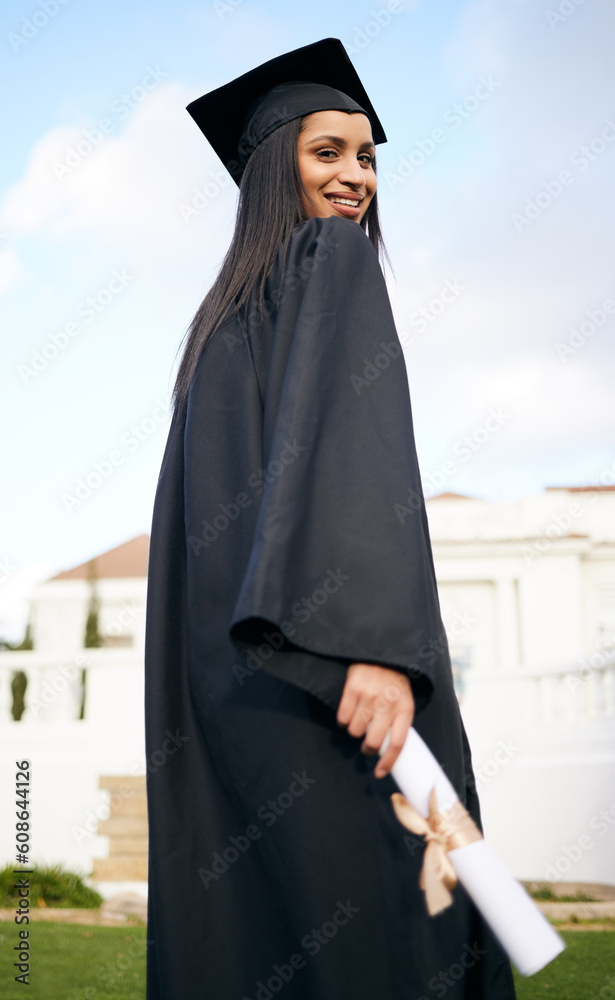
(336, 155)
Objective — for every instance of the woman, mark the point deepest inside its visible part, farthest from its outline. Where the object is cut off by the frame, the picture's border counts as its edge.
(293, 615)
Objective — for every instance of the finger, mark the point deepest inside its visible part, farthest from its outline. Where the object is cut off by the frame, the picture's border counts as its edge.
(347, 705)
(376, 731)
(399, 732)
(392, 700)
(361, 719)
(383, 721)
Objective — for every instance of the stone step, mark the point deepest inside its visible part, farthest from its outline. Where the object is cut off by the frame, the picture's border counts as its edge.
(123, 826)
(135, 806)
(127, 845)
(121, 868)
(126, 904)
(127, 794)
(118, 782)
(582, 911)
(126, 829)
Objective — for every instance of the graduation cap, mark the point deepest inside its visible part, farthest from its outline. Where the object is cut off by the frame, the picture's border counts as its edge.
(239, 115)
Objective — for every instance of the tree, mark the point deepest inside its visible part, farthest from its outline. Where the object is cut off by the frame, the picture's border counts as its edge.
(92, 638)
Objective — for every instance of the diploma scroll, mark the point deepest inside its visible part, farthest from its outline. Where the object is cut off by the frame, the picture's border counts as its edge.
(524, 933)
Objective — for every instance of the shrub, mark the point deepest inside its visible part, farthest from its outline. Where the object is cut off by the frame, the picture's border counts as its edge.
(51, 885)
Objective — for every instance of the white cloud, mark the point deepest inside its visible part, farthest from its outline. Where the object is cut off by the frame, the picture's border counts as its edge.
(495, 344)
(11, 269)
(127, 183)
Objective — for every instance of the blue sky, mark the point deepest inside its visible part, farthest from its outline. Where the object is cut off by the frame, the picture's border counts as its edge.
(498, 209)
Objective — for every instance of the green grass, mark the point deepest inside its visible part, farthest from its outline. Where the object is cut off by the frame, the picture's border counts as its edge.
(545, 893)
(580, 973)
(54, 885)
(606, 923)
(73, 962)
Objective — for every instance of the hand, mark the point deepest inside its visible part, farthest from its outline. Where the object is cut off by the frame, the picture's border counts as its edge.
(374, 700)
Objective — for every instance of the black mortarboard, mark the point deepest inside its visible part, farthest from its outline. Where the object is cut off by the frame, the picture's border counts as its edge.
(317, 77)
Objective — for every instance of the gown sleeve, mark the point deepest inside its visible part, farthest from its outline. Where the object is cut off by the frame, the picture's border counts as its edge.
(340, 568)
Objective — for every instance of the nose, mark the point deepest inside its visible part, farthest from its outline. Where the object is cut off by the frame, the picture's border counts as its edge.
(351, 172)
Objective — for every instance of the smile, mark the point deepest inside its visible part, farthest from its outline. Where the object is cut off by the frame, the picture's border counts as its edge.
(345, 201)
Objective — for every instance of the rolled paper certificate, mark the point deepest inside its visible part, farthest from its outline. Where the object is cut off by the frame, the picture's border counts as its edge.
(527, 937)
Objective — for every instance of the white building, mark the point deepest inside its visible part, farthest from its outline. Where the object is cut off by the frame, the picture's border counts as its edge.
(527, 591)
(528, 599)
(74, 759)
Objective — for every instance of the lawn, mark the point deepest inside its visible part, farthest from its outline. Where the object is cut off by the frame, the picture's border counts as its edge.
(584, 971)
(74, 962)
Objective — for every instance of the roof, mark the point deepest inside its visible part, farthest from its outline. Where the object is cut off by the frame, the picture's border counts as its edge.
(451, 496)
(583, 489)
(129, 559)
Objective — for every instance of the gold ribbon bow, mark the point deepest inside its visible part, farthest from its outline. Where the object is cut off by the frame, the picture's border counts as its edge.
(443, 832)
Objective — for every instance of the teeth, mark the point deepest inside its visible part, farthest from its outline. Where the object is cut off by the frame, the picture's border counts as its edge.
(345, 201)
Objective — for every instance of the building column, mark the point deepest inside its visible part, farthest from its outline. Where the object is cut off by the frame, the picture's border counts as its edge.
(507, 625)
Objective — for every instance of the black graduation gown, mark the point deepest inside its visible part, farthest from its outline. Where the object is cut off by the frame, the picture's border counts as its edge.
(290, 539)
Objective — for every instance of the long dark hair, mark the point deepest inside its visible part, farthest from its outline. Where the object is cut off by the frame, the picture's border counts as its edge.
(269, 207)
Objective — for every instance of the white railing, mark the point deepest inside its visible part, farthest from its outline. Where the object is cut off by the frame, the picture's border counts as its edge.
(552, 696)
(561, 696)
(109, 681)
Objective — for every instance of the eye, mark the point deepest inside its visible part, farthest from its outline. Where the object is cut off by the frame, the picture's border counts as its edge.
(329, 153)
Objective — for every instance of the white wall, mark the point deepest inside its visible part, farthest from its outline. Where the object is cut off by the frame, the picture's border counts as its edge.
(68, 755)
